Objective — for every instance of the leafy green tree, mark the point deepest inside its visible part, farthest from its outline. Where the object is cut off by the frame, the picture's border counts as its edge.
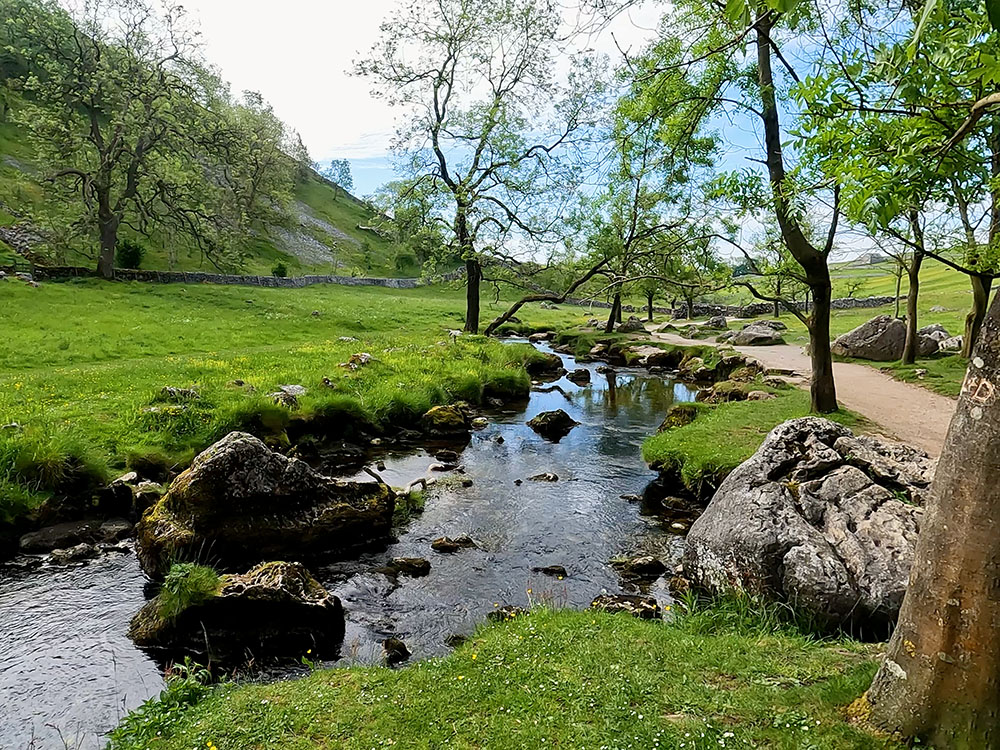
(133, 130)
(339, 173)
(108, 93)
(730, 58)
(487, 123)
(873, 117)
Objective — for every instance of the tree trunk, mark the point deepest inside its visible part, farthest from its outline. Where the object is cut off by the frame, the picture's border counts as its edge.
(649, 306)
(974, 320)
(899, 283)
(813, 261)
(473, 277)
(108, 228)
(940, 679)
(822, 389)
(913, 274)
(616, 312)
(689, 301)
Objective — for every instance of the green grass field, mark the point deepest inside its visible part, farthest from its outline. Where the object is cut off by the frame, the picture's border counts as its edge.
(723, 436)
(726, 676)
(84, 363)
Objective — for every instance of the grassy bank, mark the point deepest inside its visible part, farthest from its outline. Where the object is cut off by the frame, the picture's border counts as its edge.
(84, 365)
(941, 374)
(724, 436)
(726, 676)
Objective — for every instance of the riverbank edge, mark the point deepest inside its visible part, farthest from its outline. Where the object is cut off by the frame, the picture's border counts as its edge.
(551, 677)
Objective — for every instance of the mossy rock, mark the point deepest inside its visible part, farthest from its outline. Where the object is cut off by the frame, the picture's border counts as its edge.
(679, 415)
(544, 363)
(242, 503)
(553, 425)
(275, 609)
(445, 421)
(726, 390)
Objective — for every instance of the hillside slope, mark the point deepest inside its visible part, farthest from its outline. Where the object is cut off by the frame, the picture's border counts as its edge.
(323, 234)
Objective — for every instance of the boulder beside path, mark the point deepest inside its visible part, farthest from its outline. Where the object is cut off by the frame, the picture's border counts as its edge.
(819, 518)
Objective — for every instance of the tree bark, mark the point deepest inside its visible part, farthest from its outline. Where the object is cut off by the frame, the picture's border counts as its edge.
(940, 679)
(689, 302)
(615, 314)
(108, 228)
(981, 287)
(913, 274)
(899, 284)
(812, 260)
(473, 278)
(822, 389)
(543, 297)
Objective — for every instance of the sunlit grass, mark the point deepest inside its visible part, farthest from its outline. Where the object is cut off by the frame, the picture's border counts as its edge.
(730, 676)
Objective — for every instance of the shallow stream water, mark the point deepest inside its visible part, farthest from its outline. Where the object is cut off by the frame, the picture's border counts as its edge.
(67, 667)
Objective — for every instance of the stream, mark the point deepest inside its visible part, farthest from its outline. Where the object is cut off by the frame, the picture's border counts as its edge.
(68, 671)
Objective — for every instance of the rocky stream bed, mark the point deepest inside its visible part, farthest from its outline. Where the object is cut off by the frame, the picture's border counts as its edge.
(549, 522)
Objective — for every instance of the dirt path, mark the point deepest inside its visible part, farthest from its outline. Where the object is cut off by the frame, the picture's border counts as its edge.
(903, 411)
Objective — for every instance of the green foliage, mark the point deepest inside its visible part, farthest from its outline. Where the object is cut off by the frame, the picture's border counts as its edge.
(280, 270)
(186, 585)
(130, 253)
(730, 674)
(186, 685)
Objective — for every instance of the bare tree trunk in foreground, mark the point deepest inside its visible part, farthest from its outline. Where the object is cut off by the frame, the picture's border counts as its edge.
(940, 680)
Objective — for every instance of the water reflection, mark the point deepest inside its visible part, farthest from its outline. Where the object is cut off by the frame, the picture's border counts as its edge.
(65, 659)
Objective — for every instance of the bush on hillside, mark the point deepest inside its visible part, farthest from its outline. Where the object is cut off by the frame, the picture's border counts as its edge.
(280, 270)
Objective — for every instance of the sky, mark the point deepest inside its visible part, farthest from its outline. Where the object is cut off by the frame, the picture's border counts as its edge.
(299, 58)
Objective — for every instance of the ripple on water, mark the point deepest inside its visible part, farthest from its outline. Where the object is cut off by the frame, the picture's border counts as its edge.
(65, 658)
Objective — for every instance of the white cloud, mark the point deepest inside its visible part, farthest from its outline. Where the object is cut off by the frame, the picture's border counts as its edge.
(298, 53)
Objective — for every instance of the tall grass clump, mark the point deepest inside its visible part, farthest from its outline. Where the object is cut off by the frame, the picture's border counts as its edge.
(186, 585)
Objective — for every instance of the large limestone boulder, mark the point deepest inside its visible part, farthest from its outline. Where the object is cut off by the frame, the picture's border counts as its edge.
(757, 334)
(632, 325)
(241, 503)
(717, 322)
(952, 344)
(935, 331)
(275, 609)
(819, 518)
(881, 339)
(777, 325)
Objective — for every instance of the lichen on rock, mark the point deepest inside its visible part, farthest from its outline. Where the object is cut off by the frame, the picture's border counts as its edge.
(819, 518)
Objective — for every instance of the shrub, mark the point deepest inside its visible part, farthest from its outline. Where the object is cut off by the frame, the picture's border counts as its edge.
(130, 254)
(186, 585)
(186, 685)
(280, 270)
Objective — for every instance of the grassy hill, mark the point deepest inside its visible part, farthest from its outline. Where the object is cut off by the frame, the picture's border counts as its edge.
(323, 233)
